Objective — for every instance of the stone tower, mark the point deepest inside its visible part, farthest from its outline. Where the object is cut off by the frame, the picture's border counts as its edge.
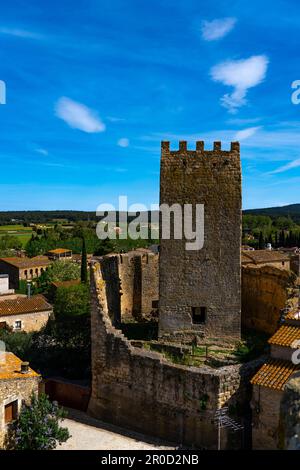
(200, 290)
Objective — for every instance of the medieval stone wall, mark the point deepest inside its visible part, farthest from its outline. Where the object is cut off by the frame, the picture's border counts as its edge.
(266, 290)
(210, 277)
(132, 284)
(265, 418)
(140, 390)
(290, 415)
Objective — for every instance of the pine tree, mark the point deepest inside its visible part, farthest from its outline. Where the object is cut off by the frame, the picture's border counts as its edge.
(84, 274)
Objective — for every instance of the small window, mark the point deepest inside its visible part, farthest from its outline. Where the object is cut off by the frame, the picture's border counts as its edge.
(18, 325)
(282, 262)
(11, 411)
(154, 303)
(198, 315)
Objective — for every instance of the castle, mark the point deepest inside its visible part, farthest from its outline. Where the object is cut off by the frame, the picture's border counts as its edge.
(199, 296)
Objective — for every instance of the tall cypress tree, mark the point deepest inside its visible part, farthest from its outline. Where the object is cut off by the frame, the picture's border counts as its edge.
(261, 242)
(284, 237)
(84, 274)
(276, 240)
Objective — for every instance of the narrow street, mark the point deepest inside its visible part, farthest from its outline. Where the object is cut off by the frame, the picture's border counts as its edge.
(90, 434)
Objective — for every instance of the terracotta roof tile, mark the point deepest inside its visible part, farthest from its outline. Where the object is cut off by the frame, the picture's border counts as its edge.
(10, 368)
(294, 315)
(59, 251)
(285, 336)
(245, 259)
(36, 303)
(274, 374)
(23, 263)
(264, 256)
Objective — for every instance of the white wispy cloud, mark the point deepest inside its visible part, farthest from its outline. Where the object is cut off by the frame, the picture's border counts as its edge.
(288, 166)
(246, 133)
(217, 29)
(123, 142)
(241, 75)
(114, 119)
(78, 116)
(20, 33)
(42, 151)
(243, 121)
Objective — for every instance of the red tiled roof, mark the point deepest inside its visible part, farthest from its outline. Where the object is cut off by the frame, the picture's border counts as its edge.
(264, 256)
(23, 263)
(59, 251)
(274, 374)
(285, 336)
(36, 303)
(294, 315)
(10, 368)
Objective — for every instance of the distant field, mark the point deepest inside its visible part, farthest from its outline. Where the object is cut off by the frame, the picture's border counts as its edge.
(15, 228)
(19, 231)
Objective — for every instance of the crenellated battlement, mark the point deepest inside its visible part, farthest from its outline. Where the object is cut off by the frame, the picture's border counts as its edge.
(183, 148)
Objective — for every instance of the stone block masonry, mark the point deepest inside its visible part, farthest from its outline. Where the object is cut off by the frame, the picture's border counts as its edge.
(140, 390)
(200, 290)
(266, 292)
(132, 285)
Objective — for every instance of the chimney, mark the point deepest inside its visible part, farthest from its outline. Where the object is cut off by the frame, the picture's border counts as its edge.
(28, 289)
(24, 367)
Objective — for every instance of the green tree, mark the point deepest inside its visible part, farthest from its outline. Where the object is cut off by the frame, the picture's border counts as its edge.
(57, 271)
(72, 301)
(282, 241)
(38, 426)
(276, 240)
(284, 223)
(18, 342)
(84, 274)
(9, 242)
(261, 241)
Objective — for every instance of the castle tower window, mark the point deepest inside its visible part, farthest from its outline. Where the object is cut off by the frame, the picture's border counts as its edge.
(198, 315)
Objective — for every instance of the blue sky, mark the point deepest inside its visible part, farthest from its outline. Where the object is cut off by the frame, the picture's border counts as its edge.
(94, 86)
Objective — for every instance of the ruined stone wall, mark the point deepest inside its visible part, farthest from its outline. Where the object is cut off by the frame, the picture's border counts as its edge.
(140, 390)
(265, 418)
(209, 277)
(266, 290)
(132, 284)
(290, 415)
(295, 264)
(11, 390)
